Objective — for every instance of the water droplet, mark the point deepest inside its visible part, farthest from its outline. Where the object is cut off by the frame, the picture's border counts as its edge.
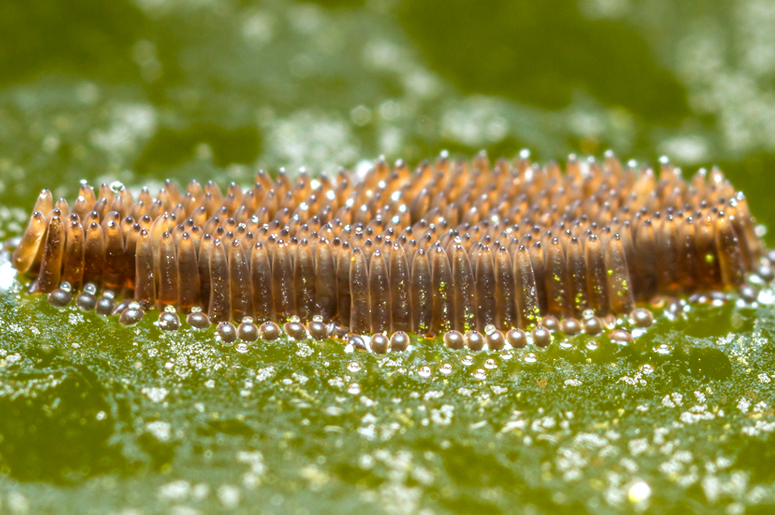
(445, 369)
(588, 314)
(424, 371)
(480, 374)
(663, 349)
(592, 345)
(489, 328)
(646, 369)
(354, 389)
(639, 492)
(530, 358)
(766, 297)
(354, 367)
(242, 348)
(467, 360)
(490, 364)
(565, 345)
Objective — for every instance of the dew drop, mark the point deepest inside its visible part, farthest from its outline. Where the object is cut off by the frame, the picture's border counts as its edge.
(242, 348)
(646, 369)
(467, 360)
(530, 358)
(354, 389)
(592, 345)
(480, 374)
(766, 297)
(354, 367)
(490, 364)
(424, 372)
(663, 349)
(446, 369)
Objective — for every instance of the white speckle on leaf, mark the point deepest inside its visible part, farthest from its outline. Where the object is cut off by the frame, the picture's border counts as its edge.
(161, 430)
(155, 394)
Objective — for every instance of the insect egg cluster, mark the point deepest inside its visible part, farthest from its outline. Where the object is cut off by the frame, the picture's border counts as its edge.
(476, 251)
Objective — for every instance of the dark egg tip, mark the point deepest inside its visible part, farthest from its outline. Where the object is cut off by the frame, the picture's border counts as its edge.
(198, 320)
(609, 321)
(570, 327)
(399, 341)
(474, 340)
(642, 317)
(379, 343)
(60, 297)
(131, 315)
(247, 331)
(593, 326)
(227, 332)
(621, 336)
(748, 293)
(105, 305)
(295, 330)
(454, 340)
(542, 337)
(317, 330)
(86, 301)
(550, 323)
(495, 339)
(169, 321)
(269, 331)
(766, 272)
(516, 338)
(673, 305)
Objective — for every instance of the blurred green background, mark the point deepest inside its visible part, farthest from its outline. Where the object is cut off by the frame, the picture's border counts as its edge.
(100, 418)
